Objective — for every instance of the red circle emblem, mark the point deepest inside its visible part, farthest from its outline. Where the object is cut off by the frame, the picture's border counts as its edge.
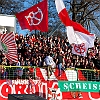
(80, 48)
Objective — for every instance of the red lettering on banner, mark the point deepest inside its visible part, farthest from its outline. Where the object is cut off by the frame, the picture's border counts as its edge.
(21, 89)
(94, 96)
(5, 89)
(44, 90)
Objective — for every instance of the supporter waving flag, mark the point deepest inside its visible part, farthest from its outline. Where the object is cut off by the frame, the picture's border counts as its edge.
(76, 33)
(34, 18)
(8, 46)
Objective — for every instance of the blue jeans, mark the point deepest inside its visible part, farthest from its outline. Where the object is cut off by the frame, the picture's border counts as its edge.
(59, 68)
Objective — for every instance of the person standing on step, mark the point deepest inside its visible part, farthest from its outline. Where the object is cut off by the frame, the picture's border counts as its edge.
(49, 62)
(59, 62)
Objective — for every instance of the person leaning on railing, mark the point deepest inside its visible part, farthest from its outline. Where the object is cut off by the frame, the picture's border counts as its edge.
(4, 62)
(49, 62)
(3, 72)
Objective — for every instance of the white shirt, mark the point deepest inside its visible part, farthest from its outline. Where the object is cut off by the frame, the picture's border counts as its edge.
(49, 61)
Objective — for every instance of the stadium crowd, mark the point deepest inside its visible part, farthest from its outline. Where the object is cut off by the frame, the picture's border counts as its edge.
(40, 51)
(33, 49)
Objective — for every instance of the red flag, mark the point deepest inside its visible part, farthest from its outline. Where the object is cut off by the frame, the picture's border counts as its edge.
(34, 18)
(8, 46)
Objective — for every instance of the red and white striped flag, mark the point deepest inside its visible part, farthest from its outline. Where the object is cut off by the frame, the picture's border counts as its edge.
(8, 46)
(76, 33)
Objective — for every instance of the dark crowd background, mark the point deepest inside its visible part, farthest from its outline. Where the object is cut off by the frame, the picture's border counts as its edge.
(32, 50)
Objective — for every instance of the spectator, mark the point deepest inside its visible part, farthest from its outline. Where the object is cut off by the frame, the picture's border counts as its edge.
(18, 63)
(19, 72)
(59, 63)
(49, 63)
(22, 62)
(32, 51)
(4, 61)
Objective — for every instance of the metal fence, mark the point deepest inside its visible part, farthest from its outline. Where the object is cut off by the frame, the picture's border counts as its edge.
(90, 75)
(23, 72)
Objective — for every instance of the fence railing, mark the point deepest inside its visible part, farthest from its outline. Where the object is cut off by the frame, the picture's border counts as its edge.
(89, 75)
(23, 72)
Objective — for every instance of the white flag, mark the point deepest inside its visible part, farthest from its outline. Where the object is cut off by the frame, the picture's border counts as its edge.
(76, 33)
(80, 49)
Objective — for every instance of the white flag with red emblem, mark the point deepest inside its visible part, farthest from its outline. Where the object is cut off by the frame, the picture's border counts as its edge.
(79, 49)
(8, 46)
(76, 33)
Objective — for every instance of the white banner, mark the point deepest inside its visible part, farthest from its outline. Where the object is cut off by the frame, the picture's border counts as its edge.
(7, 23)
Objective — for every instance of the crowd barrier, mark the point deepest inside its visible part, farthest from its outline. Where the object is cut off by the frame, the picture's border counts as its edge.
(22, 72)
(16, 80)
